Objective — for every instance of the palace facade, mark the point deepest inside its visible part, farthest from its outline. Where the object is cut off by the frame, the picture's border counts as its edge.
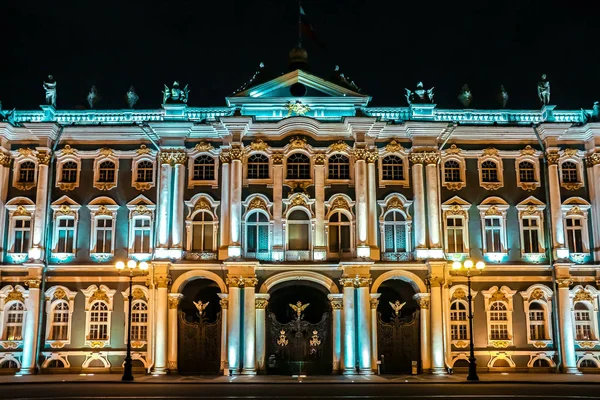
(299, 229)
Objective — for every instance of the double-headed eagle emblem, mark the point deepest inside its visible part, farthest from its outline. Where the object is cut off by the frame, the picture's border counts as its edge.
(299, 307)
(397, 306)
(201, 306)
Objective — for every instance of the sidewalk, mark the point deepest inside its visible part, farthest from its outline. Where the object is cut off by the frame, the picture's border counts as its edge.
(325, 379)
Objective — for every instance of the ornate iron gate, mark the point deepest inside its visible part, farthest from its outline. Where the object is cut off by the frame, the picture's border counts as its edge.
(299, 347)
(398, 342)
(199, 345)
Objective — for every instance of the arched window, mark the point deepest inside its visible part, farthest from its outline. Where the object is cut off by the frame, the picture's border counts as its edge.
(298, 231)
(106, 172)
(298, 166)
(541, 363)
(9, 364)
(526, 172)
(537, 321)
(69, 172)
(204, 168)
(452, 171)
(98, 321)
(583, 322)
(574, 228)
(145, 171)
(55, 364)
(339, 167)
(588, 363)
(139, 321)
(458, 320)
(339, 233)
(27, 172)
(395, 233)
(498, 321)
(257, 235)
(203, 232)
(569, 172)
(14, 322)
(59, 320)
(392, 168)
(258, 166)
(489, 171)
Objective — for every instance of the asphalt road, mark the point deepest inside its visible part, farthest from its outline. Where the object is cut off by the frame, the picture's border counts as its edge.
(470, 391)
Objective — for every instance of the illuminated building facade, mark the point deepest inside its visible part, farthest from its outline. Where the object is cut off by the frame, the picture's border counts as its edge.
(294, 193)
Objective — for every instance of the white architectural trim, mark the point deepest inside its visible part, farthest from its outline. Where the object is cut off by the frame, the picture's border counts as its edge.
(394, 149)
(288, 276)
(104, 155)
(459, 293)
(576, 157)
(257, 203)
(199, 203)
(21, 156)
(531, 156)
(542, 295)
(576, 209)
(143, 154)
(10, 295)
(54, 296)
(392, 203)
(502, 296)
(299, 202)
(491, 154)
(19, 208)
(64, 208)
(140, 295)
(341, 203)
(141, 208)
(456, 208)
(203, 149)
(102, 208)
(67, 154)
(98, 295)
(257, 148)
(532, 208)
(453, 154)
(588, 297)
(182, 279)
(494, 208)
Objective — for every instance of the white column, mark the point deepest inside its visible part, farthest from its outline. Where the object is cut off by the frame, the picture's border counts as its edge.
(437, 334)
(224, 302)
(373, 219)
(374, 349)
(336, 309)
(174, 299)
(236, 202)
(178, 203)
(225, 190)
(164, 201)
(594, 185)
(348, 327)
(419, 217)
(261, 338)
(565, 324)
(361, 207)
(249, 329)
(277, 252)
(4, 174)
(233, 328)
(160, 357)
(558, 236)
(433, 205)
(319, 249)
(41, 199)
(30, 328)
(423, 300)
(364, 329)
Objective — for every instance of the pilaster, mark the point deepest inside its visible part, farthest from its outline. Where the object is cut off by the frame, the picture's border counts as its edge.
(373, 219)
(31, 321)
(593, 170)
(41, 199)
(558, 236)
(164, 201)
(179, 165)
(319, 249)
(420, 216)
(161, 284)
(423, 299)
(225, 232)
(360, 154)
(436, 281)
(565, 318)
(277, 251)
(5, 161)
(174, 299)
(261, 302)
(336, 309)
(235, 210)
(224, 303)
(374, 302)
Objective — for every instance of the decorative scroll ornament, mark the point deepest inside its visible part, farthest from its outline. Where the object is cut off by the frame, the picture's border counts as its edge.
(564, 282)
(99, 295)
(64, 209)
(43, 157)
(491, 186)
(297, 108)
(453, 150)
(259, 145)
(21, 211)
(454, 186)
(587, 345)
(137, 344)
(298, 142)
(572, 186)
(106, 152)
(537, 294)
(531, 210)
(141, 209)
(394, 203)
(540, 345)
(138, 294)
(500, 344)
(261, 304)
(25, 152)
(299, 308)
(394, 147)
(203, 146)
(570, 152)
(319, 158)
(68, 150)
(5, 160)
(15, 295)
(461, 344)
(298, 201)
(314, 340)
(397, 306)
(277, 158)
(202, 204)
(143, 150)
(241, 281)
(528, 151)
(336, 304)
(59, 294)
(460, 294)
(9, 345)
(491, 152)
(103, 210)
(200, 306)
(593, 159)
(33, 283)
(455, 209)
(340, 203)
(338, 146)
(575, 210)
(498, 296)
(493, 210)
(97, 344)
(583, 295)
(282, 340)
(257, 202)
(552, 158)
(57, 344)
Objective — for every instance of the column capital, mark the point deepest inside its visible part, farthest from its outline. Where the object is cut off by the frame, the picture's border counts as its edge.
(423, 300)
(236, 152)
(356, 281)
(174, 300)
(225, 157)
(241, 281)
(33, 283)
(552, 157)
(162, 281)
(5, 160)
(427, 157)
(435, 281)
(43, 157)
(372, 156)
(277, 158)
(593, 159)
(564, 282)
(319, 158)
(261, 304)
(360, 153)
(374, 303)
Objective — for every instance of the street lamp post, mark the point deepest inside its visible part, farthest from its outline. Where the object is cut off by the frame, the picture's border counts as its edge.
(132, 265)
(466, 269)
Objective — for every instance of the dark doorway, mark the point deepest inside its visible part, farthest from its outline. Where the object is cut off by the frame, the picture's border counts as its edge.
(199, 344)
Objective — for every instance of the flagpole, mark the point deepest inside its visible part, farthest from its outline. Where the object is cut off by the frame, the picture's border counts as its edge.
(299, 25)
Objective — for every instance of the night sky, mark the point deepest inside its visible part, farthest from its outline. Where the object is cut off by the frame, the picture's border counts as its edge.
(216, 46)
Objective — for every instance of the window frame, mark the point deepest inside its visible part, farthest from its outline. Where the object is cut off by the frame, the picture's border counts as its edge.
(140, 208)
(578, 209)
(203, 149)
(311, 165)
(588, 297)
(55, 295)
(394, 149)
(22, 156)
(457, 208)
(201, 202)
(540, 294)
(576, 157)
(503, 295)
(10, 295)
(93, 295)
(63, 156)
(350, 167)
(246, 224)
(143, 155)
(451, 155)
(140, 295)
(102, 156)
(259, 180)
(19, 208)
(64, 208)
(396, 201)
(491, 208)
(460, 292)
(493, 155)
(299, 202)
(531, 156)
(336, 208)
(532, 208)
(102, 208)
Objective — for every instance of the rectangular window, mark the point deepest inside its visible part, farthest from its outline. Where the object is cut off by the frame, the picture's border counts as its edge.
(22, 232)
(455, 233)
(531, 235)
(104, 233)
(575, 235)
(498, 331)
(537, 327)
(493, 234)
(98, 325)
(65, 235)
(141, 235)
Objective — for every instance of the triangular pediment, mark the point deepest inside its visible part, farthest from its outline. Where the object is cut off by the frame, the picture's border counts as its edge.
(531, 201)
(456, 201)
(67, 201)
(141, 200)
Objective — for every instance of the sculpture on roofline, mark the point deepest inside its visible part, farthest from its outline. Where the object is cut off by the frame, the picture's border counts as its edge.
(596, 112)
(544, 90)
(50, 88)
(502, 96)
(131, 97)
(465, 97)
(93, 97)
(6, 115)
(420, 95)
(175, 94)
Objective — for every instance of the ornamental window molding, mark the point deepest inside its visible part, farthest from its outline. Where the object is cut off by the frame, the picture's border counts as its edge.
(340, 223)
(25, 169)
(12, 307)
(570, 169)
(491, 169)
(339, 167)
(575, 224)
(98, 315)
(106, 169)
(492, 212)
(584, 308)
(537, 304)
(201, 226)
(499, 311)
(458, 314)
(527, 167)
(531, 229)
(299, 225)
(299, 165)
(60, 303)
(143, 169)
(65, 218)
(20, 228)
(454, 172)
(395, 226)
(68, 169)
(455, 213)
(257, 167)
(257, 227)
(393, 165)
(141, 227)
(140, 316)
(103, 214)
(203, 165)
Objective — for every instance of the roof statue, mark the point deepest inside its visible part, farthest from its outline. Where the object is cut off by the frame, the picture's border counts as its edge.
(420, 95)
(50, 88)
(593, 117)
(131, 97)
(340, 79)
(544, 90)
(502, 96)
(257, 78)
(465, 97)
(93, 97)
(6, 115)
(175, 94)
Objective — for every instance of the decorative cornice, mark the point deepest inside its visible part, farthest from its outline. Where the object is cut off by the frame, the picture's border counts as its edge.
(21, 211)
(494, 211)
(570, 152)
(26, 152)
(455, 209)
(575, 210)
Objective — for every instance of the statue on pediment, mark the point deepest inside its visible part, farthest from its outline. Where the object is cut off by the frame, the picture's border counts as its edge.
(131, 97)
(93, 97)
(502, 96)
(465, 97)
(420, 95)
(50, 88)
(175, 94)
(5, 115)
(544, 90)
